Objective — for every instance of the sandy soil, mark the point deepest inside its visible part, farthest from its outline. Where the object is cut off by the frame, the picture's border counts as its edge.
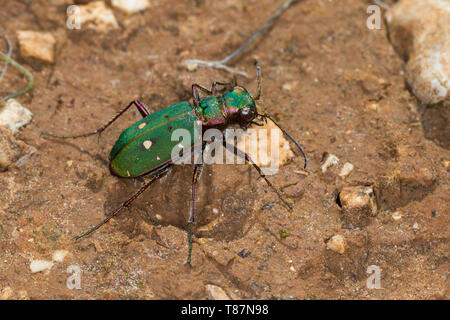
(347, 97)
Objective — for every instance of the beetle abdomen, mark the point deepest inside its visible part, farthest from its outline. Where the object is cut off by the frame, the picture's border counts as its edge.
(147, 144)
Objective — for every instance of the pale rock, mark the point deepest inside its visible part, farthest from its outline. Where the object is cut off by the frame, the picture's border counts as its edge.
(96, 16)
(420, 32)
(13, 115)
(6, 293)
(59, 255)
(191, 67)
(330, 160)
(397, 215)
(358, 204)
(346, 169)
(130, 6)
(289, 86)
(216, 293)
(40, 265)
(337, 243)
(446, 164)
(37, 44)
(266, 146)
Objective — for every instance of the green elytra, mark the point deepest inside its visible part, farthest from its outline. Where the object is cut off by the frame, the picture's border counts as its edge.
(145, 148)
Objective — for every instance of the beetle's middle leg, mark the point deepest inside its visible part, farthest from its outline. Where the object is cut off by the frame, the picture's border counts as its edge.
(144, 112)
(191, 222)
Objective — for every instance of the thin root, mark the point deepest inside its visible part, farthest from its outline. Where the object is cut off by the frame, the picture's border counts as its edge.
(21, 69)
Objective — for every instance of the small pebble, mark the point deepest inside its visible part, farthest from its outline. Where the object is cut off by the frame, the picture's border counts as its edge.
(337, 243)
(289, 86)
(330, 160)
(397, 215)
(95, 15)
(191, 67)
(372, 106)
(358, 197)
(446, 165)
(130, 6)
(346, 169)
(6, 293)
(40, 265)
(59, 255)
(14, 116)
(216, 293)
(37, 44)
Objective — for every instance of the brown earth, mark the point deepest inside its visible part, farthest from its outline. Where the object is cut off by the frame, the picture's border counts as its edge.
(347, 97)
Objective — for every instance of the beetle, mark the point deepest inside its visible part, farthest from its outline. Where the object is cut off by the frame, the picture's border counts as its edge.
(144, 149)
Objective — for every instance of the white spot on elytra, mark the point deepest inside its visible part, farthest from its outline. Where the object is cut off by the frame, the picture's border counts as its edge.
(142, 125)
(147, 144)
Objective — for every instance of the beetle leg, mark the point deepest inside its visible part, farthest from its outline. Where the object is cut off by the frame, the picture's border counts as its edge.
(244, 155)
(195, 94)
(224, 84)
(138, 105)
(191, 223)
(160, 173)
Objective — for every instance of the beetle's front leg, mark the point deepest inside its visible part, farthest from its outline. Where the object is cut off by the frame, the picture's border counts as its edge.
(144, 112)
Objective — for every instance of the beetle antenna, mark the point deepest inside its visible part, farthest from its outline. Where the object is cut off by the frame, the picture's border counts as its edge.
(258, 79)
(266, 116)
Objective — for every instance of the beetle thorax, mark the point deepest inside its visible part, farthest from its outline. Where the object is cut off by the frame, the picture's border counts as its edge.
(234, 107)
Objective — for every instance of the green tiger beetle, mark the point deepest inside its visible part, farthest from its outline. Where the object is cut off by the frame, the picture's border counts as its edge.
(144, 149)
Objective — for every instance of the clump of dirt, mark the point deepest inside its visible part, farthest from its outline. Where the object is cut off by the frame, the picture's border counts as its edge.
(332, 83)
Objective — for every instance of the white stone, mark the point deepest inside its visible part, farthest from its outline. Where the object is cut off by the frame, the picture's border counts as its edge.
(419, 30)
(346, 169)
(216, 293)
(40, 265)
(130, 6)
(330, 160)
(6, 293)
(95, 15)
(37, 44)
(259, 142)
(13, 116)
(337, 244)
(397, 215)
(59, 255)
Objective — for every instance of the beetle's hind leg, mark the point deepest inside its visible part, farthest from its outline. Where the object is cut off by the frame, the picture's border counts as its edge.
(142, 109)
(157, 175)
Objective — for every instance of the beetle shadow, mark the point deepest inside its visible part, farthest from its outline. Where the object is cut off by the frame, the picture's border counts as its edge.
(224, 207)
